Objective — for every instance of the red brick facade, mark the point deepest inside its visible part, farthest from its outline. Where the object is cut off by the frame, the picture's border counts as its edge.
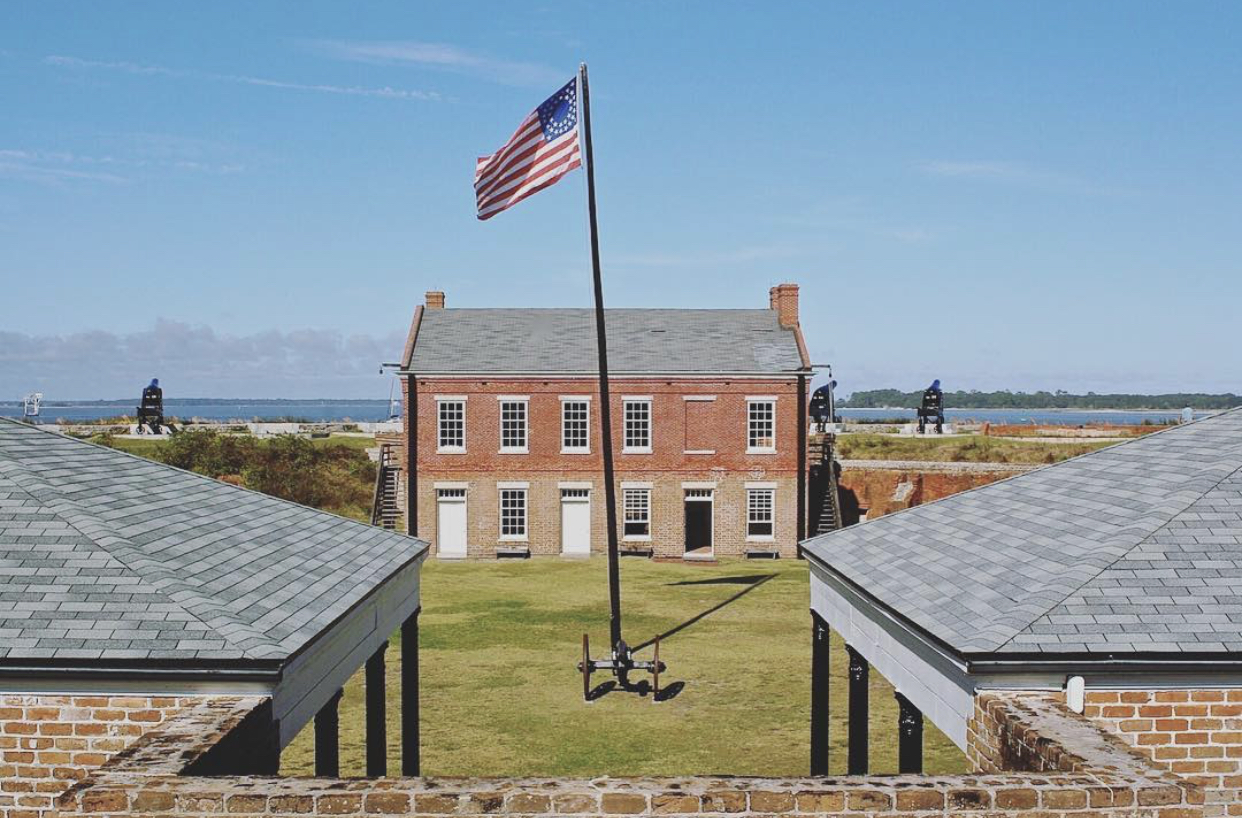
(698, 433)
(47, 743)
(1194, 733)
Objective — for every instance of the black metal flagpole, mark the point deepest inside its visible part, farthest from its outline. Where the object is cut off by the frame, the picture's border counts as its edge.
(605, 404)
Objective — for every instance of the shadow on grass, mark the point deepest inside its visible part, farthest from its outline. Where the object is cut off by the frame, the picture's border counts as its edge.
(752, 582)
(642, 688)
(745, 579)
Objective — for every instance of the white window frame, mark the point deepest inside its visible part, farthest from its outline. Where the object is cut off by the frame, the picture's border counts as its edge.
(751, 495)
(524, 402)
(502, 490)
(585, 400)
(626, 493)
(441, 402)
(626, 402)
(751, 403)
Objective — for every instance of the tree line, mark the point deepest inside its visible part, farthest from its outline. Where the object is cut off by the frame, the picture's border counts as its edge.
(1060, 399)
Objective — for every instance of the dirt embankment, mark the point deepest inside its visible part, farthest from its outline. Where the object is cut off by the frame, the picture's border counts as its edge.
(868, 493)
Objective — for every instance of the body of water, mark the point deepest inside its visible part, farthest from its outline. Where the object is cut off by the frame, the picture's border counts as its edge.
(315, 411)
(1061, 417)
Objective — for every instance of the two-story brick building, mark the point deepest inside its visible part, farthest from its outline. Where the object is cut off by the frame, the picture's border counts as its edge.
(709, 429)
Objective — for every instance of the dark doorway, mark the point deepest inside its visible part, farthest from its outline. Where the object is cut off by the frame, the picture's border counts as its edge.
(699, 525)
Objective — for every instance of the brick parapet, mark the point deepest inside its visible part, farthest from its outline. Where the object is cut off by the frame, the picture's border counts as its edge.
(1196, 734)
(144, 781)
(48, 743)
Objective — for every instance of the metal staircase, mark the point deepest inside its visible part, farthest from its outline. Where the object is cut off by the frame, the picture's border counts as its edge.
(386, 507)
(824, 482)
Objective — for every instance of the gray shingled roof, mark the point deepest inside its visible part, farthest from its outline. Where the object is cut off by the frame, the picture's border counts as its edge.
(107, 556)
(1134, 548)
(639, 341)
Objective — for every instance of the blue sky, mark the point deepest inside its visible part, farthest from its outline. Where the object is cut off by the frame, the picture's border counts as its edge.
(249, 199)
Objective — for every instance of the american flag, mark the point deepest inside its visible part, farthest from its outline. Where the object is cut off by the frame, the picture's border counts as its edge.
(542, 150)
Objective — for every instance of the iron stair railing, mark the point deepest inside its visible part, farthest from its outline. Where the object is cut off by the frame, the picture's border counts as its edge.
(386, 508)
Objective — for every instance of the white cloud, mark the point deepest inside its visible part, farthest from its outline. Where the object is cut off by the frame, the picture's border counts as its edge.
(1012, 173)
(441, 57)
(384, 92)
(196, 361)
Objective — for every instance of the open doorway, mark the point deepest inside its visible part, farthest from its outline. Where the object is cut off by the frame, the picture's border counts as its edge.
(700, 504)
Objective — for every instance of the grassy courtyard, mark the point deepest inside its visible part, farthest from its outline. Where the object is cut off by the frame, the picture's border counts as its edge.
(501, 695)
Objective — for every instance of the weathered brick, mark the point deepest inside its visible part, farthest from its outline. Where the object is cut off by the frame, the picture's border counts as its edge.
(291, 804)
(820, 800)
(529, 803)
(246, 803)
(919, 800)
(724, 801)
(393, 803)
(868, 800)
(623, 803)
(565, 803)
(1023, 798)
(104, 801)
(1157, 796)
(153, 801)
(769, 801)
(1065, 799)
(670, 803)
(343, 804)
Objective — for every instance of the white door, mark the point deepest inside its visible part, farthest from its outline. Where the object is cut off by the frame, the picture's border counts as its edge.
(451, 523)
(576, 522)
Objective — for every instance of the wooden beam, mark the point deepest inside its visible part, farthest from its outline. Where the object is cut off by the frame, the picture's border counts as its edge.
(821, 674)
(860, 673)
(377, 717)
(909, 736)
(328, 738)
(411, 760)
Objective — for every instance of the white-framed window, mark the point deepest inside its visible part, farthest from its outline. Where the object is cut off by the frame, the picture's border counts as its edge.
(451, 424)
(637, 412)
(760, 425)
(760, 514)
(637, 507)
(513, 514)
(575, 426)
(514, 425)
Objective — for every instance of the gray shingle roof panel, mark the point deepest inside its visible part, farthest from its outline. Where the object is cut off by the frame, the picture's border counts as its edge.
(108, 556)
(1137, 547)
(658, 341)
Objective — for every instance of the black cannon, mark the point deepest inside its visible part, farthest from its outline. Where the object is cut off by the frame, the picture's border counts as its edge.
(932, 408)
(151, 411)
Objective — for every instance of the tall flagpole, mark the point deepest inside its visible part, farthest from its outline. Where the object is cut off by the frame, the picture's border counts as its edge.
(605, 404)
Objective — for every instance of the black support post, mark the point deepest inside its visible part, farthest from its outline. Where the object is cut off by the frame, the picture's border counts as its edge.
(821, 674)
(411, 761)
(327, 738)
(377, 717)
(411, 455)
(860, 673)
(909, 736)
(802, 441)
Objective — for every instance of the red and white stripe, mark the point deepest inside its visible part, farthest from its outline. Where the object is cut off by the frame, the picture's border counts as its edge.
(525, 165)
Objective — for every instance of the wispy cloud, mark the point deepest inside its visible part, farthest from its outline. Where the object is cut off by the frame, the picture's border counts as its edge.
(439, 56)
(55, 166)
(197, 360)
(1011, 173)
(141, 69)
(711, 258)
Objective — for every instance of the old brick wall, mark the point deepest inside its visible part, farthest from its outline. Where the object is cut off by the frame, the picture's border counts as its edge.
(666, 467)
(1107, 780)
(47, 743)
(881, 491)
(1194, 733)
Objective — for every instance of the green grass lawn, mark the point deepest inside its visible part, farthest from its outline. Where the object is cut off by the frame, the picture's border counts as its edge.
(501, 695)
(972, 449)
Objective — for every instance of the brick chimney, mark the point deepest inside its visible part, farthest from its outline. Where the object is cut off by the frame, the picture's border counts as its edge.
(784, 299)
(435, 300)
